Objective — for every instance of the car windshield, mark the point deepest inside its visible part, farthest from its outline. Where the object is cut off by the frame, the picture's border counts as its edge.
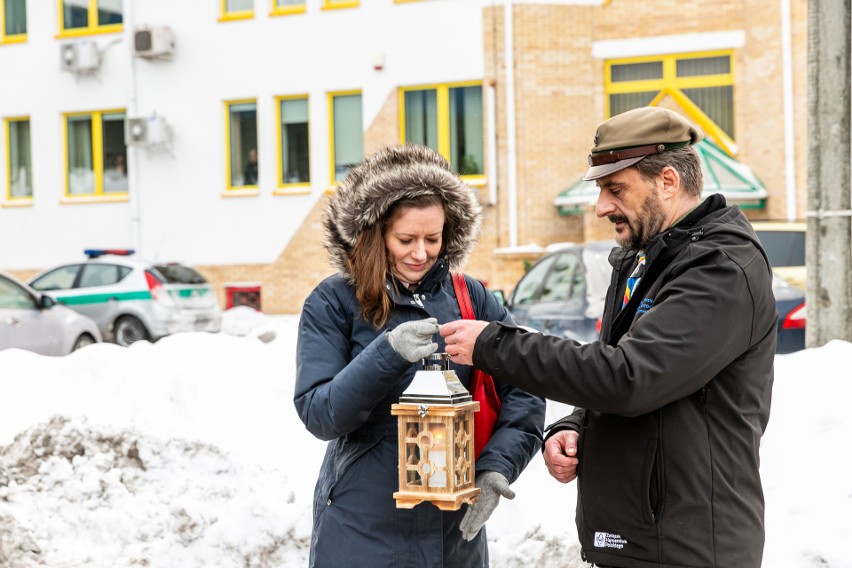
(179, 274)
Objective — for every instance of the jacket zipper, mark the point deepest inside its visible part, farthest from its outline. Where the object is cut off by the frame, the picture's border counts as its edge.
(659, 482)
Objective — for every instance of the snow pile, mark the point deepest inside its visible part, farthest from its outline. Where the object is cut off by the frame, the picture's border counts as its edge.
(188, 453)
(75, 494)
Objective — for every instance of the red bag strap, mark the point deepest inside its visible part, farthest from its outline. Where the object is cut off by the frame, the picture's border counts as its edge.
(463, 296)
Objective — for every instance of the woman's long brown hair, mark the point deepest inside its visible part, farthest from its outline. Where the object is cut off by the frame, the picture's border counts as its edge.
(369, 262)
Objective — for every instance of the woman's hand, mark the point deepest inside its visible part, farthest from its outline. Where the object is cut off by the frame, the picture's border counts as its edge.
(413, 339)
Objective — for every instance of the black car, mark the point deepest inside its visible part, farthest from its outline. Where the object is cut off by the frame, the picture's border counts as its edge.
(563, 294)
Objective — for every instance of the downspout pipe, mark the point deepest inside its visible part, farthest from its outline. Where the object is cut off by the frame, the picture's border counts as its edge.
(511, 135)
(133, 160)
(789, 137)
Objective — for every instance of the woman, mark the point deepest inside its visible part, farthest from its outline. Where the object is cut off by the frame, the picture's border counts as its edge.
(394, 228)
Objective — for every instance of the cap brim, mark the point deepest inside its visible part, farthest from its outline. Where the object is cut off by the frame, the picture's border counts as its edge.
(597, 172)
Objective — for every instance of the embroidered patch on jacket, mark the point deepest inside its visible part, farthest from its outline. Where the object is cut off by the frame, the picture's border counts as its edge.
(609, 540)
(645, 305)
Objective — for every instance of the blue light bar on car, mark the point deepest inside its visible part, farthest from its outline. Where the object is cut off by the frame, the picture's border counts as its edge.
(95, 253)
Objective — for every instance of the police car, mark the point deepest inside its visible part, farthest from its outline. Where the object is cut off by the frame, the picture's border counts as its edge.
(130, 299)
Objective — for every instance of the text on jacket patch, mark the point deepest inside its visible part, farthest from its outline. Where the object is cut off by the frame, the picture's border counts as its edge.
(645, 305)
(609, 540)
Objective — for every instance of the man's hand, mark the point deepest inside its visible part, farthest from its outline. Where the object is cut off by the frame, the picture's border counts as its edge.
(460, 337)
(560, 455)
(413, 339)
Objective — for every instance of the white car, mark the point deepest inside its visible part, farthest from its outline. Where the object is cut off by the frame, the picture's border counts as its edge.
(33, 321)
(131, 299)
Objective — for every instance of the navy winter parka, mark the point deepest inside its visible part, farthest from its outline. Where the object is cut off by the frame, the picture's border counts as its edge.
(348, 376)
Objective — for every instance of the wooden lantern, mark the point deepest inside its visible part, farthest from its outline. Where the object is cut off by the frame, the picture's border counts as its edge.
(435, 421)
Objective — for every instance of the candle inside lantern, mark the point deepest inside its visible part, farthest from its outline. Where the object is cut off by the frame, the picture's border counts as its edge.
(438, 455)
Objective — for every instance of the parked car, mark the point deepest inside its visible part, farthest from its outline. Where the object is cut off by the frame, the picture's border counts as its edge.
(784, 242)
(564, 292)
(33, 321)
(131, 299)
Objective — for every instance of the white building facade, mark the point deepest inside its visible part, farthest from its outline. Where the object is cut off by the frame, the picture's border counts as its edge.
(240, 77)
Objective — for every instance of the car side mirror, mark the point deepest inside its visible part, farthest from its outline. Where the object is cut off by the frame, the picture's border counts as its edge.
(47, 302)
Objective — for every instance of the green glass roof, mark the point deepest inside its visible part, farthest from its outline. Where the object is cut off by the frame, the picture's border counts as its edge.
(722, 174)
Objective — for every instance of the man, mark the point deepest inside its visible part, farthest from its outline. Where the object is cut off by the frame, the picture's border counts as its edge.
(672, 400)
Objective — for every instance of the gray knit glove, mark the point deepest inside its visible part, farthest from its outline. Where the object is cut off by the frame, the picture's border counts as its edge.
(491, 486)
(413, 339)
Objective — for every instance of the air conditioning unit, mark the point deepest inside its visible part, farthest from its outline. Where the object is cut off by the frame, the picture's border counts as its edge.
(153, 42)
(147, 131)
(80, 57)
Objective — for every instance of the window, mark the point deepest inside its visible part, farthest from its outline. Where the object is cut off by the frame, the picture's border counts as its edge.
(13, 297)
(18, 159)
(80, 17)
(241, 132)
(102, 275)
(330, 4)
(700, 83)
(280, 7)
(13, 21)
(528, 288)
(237, 9)
(61, 278)
(294, 150)
(96, 156)
(347, 132)
(448, 119)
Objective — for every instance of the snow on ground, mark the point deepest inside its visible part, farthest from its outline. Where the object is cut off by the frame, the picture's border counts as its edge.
(188, 453)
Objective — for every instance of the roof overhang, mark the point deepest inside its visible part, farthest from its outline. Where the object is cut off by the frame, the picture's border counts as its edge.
(722, 174)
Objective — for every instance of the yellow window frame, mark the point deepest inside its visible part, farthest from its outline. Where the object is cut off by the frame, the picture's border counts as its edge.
(290, 188)
(11, 199)
(330, 100)
(338, 4)
(443, 104)
(226, 16)
(97, 156)
(288, 10)
(672, 85)
(93, 27)
(13, 38)
(230, 190)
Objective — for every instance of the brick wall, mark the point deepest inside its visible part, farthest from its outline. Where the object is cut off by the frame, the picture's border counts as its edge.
(559, 102)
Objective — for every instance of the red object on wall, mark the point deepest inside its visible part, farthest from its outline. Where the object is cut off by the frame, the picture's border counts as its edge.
(242, 294)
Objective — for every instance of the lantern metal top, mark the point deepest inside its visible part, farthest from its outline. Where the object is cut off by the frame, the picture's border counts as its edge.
(436, 384)
(437, 362)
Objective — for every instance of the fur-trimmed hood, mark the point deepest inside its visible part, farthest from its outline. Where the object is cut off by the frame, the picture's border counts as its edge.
(390, 175)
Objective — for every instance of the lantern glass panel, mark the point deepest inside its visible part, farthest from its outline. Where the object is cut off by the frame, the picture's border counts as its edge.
(437, 453)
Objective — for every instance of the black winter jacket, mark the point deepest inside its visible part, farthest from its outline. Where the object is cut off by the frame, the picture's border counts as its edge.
(347, 378)
(676, 395)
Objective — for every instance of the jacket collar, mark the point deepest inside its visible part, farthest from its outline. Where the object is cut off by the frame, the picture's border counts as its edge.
(399, 293)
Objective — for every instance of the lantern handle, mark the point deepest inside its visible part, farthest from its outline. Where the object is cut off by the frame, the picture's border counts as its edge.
(436, 362)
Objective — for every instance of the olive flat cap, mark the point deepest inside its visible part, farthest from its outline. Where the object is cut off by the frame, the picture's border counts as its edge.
(628, 137)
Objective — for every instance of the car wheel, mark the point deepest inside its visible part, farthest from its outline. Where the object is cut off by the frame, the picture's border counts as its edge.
(128, 330)
(83, 341)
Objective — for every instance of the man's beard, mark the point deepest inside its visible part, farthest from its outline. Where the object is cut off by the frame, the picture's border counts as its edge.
(649, 222)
